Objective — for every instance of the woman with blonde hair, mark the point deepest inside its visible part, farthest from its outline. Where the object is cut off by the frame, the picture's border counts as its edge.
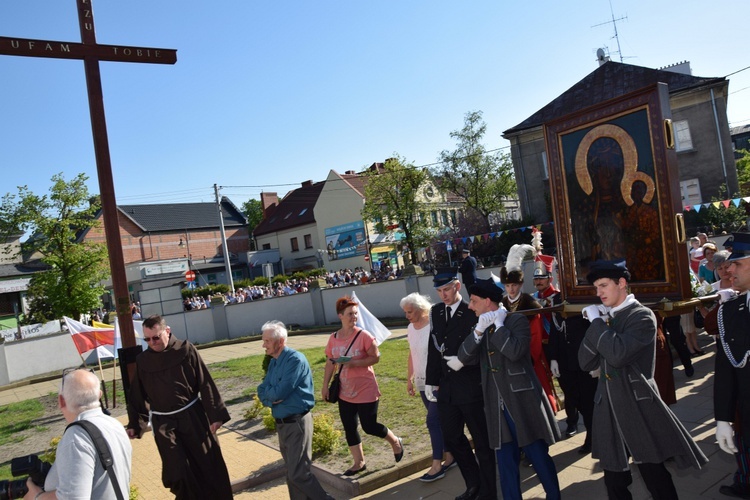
(355, 351)
(417, 310)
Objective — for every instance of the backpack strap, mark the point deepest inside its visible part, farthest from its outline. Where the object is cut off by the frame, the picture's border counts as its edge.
(102, 448)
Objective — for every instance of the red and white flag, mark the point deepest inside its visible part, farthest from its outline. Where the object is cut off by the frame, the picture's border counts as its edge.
(87, 337)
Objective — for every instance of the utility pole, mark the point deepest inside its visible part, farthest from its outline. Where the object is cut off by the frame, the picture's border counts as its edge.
(225, 249)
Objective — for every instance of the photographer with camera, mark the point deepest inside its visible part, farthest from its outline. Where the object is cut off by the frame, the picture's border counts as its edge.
(78, 471)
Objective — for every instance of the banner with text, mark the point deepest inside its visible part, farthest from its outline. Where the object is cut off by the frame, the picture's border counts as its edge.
(346, 240)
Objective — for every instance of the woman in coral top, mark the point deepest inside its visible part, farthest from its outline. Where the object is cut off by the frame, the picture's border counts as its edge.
(356, 351)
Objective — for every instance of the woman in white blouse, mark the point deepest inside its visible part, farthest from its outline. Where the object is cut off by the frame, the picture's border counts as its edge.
(417, 310)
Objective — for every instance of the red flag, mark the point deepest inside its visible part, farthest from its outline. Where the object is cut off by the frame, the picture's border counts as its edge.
(86, 337)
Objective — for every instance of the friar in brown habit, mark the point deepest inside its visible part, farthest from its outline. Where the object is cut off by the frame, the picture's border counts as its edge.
(185, 411)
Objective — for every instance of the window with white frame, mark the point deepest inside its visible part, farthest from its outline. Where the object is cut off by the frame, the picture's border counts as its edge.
(690, 190)
(682, 139)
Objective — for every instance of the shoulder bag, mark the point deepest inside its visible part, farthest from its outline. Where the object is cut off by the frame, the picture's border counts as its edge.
(335, 387)
(105, 454)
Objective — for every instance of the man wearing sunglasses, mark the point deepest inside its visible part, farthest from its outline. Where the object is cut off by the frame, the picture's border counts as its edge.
(78, 471)
(186, 410)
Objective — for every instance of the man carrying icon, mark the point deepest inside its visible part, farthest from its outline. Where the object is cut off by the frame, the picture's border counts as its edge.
(630, 419)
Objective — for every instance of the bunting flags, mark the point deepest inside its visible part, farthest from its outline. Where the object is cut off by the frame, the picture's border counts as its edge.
(478, 238)
(717, 204)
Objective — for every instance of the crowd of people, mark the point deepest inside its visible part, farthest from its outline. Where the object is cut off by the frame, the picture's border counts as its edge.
(482, 359)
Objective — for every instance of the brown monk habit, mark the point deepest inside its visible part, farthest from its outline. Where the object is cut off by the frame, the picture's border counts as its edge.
(168, 381)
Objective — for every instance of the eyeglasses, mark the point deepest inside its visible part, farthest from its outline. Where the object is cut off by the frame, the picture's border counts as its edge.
(152, 339)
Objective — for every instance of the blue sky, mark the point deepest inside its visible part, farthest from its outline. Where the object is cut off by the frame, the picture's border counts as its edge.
(270, 94)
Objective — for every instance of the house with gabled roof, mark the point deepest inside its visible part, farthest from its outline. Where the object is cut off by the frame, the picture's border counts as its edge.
(320, 224)
(699, 116)
(162, 241)
(16, 271)
(289, 225)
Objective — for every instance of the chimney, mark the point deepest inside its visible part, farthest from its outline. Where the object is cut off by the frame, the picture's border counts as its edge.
(269, 202)
(307, 183)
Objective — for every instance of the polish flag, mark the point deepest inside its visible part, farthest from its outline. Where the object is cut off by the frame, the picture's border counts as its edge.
(87, 337)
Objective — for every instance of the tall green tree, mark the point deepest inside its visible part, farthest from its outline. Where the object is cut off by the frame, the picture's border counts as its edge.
(743, 172)
(479, 177)
(392, 196)
(73, 283)
(253, 210)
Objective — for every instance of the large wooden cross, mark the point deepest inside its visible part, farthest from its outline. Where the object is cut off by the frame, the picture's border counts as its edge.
(91, 53)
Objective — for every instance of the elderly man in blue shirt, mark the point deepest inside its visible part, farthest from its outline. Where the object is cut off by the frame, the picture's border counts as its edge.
(288, 390)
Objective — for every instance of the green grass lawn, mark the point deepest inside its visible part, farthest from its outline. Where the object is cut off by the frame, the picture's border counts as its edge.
(405, 415)
(17, 417)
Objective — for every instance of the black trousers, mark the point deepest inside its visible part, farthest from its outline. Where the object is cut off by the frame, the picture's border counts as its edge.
(657, 478)
(366, 413)
(452, 420)
(579, 388)
(673, 329)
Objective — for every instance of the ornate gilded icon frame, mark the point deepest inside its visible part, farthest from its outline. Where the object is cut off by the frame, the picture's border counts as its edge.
(615, 194)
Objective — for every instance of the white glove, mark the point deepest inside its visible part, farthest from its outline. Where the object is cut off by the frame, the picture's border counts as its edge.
(725, 436)
(595, 373)
(485, 320)
(500, 315)
(453, 363)
(429, 393)
(591, 312)
(726, 294)
(554, 368)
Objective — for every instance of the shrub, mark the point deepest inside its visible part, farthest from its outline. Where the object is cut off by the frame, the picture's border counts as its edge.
(326, 438)
(268, 421)
(254, 411)
(279, 278)
(260, 281)
(314, 273)
(243, 283)
(51, 453)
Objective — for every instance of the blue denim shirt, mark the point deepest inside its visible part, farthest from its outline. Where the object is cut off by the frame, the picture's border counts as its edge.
(288, 380)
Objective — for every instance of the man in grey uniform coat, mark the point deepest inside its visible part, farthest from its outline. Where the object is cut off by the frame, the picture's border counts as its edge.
(518, 412)
(630, 419)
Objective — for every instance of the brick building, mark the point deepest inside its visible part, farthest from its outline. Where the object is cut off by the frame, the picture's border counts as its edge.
(161, 242)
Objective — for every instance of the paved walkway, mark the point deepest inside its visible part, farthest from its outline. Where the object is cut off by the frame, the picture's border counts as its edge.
(580, 477)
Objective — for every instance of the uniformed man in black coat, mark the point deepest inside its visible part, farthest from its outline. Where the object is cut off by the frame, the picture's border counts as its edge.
(732, 374)
(468, 268)
(459, 393)
(578, 385)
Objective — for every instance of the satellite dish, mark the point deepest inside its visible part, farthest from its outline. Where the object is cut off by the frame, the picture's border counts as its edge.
(600, 54)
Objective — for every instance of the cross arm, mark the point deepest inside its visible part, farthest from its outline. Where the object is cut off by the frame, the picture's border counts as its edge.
(71, 50)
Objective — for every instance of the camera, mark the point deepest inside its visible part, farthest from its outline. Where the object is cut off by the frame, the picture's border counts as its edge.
(29, 465)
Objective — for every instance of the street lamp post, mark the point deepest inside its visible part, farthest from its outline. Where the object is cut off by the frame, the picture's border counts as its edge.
(186, 244)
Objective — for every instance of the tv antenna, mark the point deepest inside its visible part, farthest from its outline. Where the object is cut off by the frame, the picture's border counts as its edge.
(613, 22)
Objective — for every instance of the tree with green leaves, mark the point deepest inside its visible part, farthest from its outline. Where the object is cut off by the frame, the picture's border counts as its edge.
(481, 178)
(392, 196)
(72, 284)
(253, 211)
(743, 172)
